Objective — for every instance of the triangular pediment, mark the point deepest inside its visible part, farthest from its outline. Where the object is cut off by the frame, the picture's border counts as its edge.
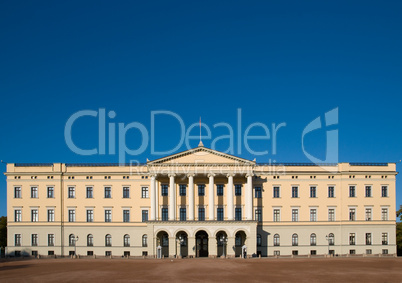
(201, 155)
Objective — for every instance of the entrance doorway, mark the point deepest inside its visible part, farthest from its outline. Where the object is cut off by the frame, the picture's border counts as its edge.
(221, 241)
(163, 241)
(201, 239)
(182, 244)
(240, 240)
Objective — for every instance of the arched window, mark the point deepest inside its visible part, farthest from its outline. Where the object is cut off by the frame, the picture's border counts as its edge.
(331, 239)
(277, 240)
(144, 240)
(71, 240)
(258, 240)
(126, 240)
(313, 239)
(90, 240)
(295, 240)
(108, 240)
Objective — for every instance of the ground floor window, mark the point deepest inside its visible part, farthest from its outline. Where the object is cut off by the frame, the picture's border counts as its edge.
(384, 252)
(352, 252)
(295, 252)
(50, 252)
(17, 253)
(126, 253)
(369, 252)
(277, 253)
(35, 253)
(108, 253)
(313, 252)
(145, 253)
(90, 253)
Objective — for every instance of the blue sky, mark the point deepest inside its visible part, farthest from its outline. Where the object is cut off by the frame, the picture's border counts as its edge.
(279, 62)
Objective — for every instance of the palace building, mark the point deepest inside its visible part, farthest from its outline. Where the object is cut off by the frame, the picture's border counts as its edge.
(198, 203)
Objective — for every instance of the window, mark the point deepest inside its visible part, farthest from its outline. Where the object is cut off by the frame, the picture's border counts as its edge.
(352, 214)
(144, 215)
(368, 238)
(108, 192)
(352, 252)
(295, 215)
(277, 253)
(165, 215)
(50, 240)
(369, 252)
(126, 240)
(50, 192)
(201, 214)
(313, 252)
(313, 192)
(219, 190)
(71, 192)
(259, 240)
(352, 191)
(165, 240)
(126, 215)
(368, 214)
(90, 240)
(144, 241)
(277, 215)
(164, 190)
(258, 215)
(108, 215)
(201, 190)
(276, 192)
(17, 215)
(34, 192)
(384, 238)
(34, 215)
(313, 214)
(331, 214)
(295, 192)
(238, 216)
(295, 240)
(17, 240)
(257, 192)
(108, 253)
(90, 215)
(71, 240)
(17, 192)
(34, 238)
(126, 192)
(144, 192)
(219, 214)
(384, 252)
(331, 192)
(50, 215)
(90, 253)
(71, 215)
(384, 191)
(108, 240)
(331, 239)
(296, 252)
(313, 239)
(237, 190)
(183, 216)
(238, 240)
(182, 190)
(352, 239)
(368, 191)
(384, 214)
(277, 240)
(90, 192)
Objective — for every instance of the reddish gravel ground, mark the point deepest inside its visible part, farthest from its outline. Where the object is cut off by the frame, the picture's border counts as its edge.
(203, 270)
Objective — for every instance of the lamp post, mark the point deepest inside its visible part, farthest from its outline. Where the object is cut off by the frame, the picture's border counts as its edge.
(75, 245)
(328, 239)
(223, 241)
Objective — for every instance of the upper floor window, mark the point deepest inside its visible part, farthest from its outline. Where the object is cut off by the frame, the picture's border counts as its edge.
(331, 214)
(238, 190)
(34, 192)
(108, 192)
(331, 192)
(90, 240)
(17, 215)
(201, 214)
(50, 192)
(368, 238)
(108, 215)
(71, 240)
(50, 215)
(17, 192)
(164, 190)
(71, 192)
(90, 215)
(368, 214)
(295, 215)
(238, 216)
(71, 215)
(182, 190)
(108, 240)
(219, 214)
(295, 240)
(313, 214)
(384, 238)
(295, 192)
(276, 240)
(90, 192)
(201, 190)
(17, 240)
(144, 215)
(126, 215)
(331, 239)
(352, 239)
(384, 214)
(126, 192)
(50, 240)
(34, 238)
(384, 191)
(219, 190)
(165, 215)
(352, 191)
(34, 215)
(183, 216)
(258, 215)
(145, 241)
(313, 239)
(257, 192)
(368, 191)
(276, 192)
(126, 240)
(277, 215)
(352, 214)
(313, 192)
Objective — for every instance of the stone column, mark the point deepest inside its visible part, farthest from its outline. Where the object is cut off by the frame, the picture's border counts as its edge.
(229, 200)
(249, 197)
(190, 197)
(211, 197)
(191, 246)
(153, 198)
(172, 198)
(212, 247)
(172, 247)
(157, 210)
(230, 252)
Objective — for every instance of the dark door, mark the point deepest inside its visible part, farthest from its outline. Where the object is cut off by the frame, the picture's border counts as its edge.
(202, 244)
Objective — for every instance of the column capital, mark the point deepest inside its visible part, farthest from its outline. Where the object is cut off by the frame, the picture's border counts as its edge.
(190, 175)
(249, 175)
(211, 175)
(153, 175)
(171, 175)
(230, 175)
